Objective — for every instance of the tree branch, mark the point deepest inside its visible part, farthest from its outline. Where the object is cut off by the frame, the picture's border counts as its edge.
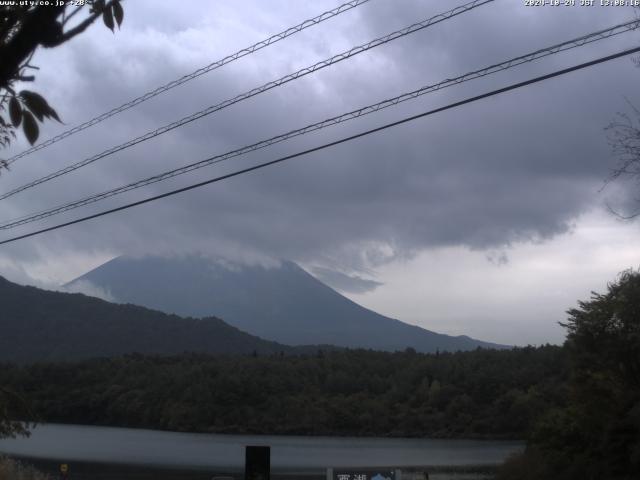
(619, 215)
(33, 31)
(72, 14)
(82, 26)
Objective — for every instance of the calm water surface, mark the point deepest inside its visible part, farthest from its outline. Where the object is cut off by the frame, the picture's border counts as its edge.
(205, 451)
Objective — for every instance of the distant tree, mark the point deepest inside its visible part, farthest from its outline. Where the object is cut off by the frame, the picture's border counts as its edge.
(597, 434)
(604, 336)
(25, 26)
(604, 346)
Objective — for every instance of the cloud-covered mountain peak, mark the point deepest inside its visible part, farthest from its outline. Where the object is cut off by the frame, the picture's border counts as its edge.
(280, 302)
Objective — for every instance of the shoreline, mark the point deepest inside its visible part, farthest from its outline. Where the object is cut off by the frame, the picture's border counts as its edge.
(82, 470)
(112, 453)
(242, 433)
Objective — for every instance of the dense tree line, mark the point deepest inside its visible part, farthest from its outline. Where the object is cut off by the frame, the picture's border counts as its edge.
(481, 394)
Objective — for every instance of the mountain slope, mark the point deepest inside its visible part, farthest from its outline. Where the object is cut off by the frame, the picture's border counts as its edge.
(40, 325)
(284, 303)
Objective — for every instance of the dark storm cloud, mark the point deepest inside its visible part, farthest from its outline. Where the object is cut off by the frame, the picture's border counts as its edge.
(517, 168)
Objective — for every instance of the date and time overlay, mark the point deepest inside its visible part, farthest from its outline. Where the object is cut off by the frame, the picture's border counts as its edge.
(527, 3)
(581, 3)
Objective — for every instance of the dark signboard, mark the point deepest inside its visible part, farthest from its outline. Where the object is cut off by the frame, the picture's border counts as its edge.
(368, 474)
(257, 463)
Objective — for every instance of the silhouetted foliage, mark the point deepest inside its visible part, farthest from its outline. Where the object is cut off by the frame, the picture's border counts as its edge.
(597, 434)
(25, 26)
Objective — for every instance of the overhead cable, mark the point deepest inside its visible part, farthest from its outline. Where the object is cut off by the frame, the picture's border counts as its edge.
(256, 91)
(195, 74)
(330, 144)
(513, 62)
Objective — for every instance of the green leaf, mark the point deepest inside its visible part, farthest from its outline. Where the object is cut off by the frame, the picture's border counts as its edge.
(107, 18)
(15, 111)
(30, 127)
(118, 13)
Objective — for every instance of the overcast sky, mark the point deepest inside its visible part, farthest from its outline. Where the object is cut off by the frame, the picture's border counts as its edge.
(486, 220)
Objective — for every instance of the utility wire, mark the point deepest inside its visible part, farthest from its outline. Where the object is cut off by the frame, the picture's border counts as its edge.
(450, 106)
(186, 78)
(256, 91)
(529, 57)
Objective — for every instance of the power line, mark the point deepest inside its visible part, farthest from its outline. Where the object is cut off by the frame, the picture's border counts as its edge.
(331, 144)
(529, 57)
(195, 74)
(256, 91)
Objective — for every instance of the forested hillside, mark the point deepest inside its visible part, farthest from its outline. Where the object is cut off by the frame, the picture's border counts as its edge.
(482, 394)
(39, 325)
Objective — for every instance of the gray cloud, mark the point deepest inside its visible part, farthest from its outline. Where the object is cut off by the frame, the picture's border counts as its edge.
(88, 288)
(517, 168)
(498, 258)
(343, 282)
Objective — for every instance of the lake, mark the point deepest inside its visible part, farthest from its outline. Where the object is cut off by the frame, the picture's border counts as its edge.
(68, 443)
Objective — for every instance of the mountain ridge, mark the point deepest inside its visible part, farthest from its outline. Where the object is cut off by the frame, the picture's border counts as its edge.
(43, 325)
(282, 303)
